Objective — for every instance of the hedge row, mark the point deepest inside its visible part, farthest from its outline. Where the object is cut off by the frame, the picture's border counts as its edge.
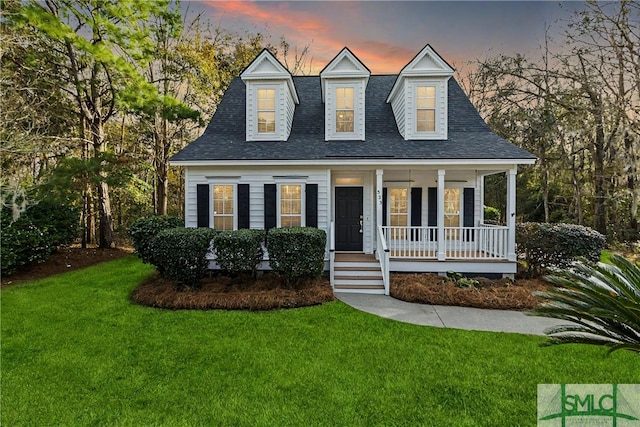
(144, 230)
(239, 251)
(35, 234)
(545, 246)
(180, 253)
(296, 252)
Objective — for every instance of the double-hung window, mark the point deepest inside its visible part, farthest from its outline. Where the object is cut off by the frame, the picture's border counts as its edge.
(224, 207)
(291, 206)
(398, 212)
(266, 111)
(345, 117)
(425, 109)
(452, 208)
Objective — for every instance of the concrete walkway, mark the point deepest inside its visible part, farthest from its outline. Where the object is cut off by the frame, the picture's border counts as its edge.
(441, 316)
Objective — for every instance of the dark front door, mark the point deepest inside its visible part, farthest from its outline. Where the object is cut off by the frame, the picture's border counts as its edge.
(349, 218)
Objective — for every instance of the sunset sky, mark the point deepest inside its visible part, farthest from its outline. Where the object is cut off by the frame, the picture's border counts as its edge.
(386, 35)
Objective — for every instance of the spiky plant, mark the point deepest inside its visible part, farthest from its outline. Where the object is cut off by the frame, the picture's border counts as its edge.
(602, 301)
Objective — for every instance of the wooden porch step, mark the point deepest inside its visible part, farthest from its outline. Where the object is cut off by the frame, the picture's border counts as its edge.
(354, 257)
(376, 277)
(363, 268)
(357, 272)
(360, 289)
(355, 287)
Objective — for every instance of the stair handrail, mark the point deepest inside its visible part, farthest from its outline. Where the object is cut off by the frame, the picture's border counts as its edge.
(383, 257)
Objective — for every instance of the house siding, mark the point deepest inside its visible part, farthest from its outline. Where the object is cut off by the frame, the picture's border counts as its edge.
(256, 178)
(284, 110)
(441, 108)
(359, 107)
(290, 110)
(398, 107)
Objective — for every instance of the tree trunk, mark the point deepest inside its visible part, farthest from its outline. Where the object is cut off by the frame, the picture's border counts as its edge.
(107, 235)
(599, 181)
(577, 191)
(631, 182)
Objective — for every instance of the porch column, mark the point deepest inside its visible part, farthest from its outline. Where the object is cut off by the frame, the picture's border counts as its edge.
(379, 213)
(442, 250)
(511, 214)
(480, 192)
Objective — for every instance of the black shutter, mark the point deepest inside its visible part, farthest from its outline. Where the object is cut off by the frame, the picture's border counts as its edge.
(416, 207)
(384, 206)
(432, 207)
(468, 208)
(243, 205)
(202, 203)
(416, 212)
(432, 212)
(270, 203)
(468, 218)
(311, 205)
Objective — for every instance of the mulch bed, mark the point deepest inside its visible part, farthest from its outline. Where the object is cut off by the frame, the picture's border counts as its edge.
(430, 288)
(221, 292)
(62, 260)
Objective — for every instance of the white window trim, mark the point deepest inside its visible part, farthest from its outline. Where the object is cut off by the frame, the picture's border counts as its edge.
(353, 110)
(460, 188)
(358, 91)
(388, 213)
(235, 204)
(303, 208)
(436, 109)
(252, 107)
(411, 110)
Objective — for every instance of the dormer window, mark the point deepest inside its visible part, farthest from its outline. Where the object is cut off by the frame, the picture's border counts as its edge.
(266, 110)
(344, 109)
(418, 97)
(425, 109)
(344, 83)
(271, 99)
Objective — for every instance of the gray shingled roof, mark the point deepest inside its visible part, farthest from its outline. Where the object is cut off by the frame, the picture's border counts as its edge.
(468, 137)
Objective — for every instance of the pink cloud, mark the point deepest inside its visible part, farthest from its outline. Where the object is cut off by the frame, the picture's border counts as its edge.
(325, 38)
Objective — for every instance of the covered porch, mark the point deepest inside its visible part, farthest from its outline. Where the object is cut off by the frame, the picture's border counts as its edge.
(423, 220)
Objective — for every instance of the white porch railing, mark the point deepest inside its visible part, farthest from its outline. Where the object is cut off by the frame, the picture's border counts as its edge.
(468, 243)
(382, 253)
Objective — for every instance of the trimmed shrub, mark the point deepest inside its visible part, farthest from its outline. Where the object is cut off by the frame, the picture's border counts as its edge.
(296, 252)
(36, 234)
(543, 246)
(182, 254)
(143, 231)
(239, 251)
(491, 214)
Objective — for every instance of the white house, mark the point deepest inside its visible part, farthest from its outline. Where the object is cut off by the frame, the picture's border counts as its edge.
(391, 166)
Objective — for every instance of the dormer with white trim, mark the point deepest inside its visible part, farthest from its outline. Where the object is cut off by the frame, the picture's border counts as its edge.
(344, 82)
(271, 99)
(418, 98)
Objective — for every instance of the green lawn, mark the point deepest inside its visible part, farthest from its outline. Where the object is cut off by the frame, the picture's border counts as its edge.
(76, 351)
